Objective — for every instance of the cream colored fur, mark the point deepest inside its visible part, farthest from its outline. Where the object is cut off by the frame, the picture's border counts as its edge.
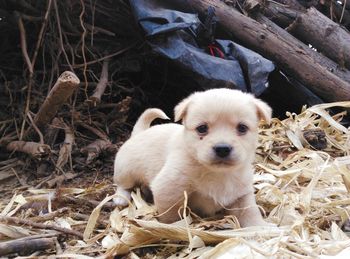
(173, 158)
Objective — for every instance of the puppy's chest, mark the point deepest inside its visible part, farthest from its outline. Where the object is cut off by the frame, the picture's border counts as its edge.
(212, 194)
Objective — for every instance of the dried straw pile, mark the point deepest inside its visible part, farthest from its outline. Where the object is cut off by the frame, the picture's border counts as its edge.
(302, 190)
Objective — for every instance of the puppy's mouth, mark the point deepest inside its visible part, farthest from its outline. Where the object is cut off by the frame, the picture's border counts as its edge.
(223, 162)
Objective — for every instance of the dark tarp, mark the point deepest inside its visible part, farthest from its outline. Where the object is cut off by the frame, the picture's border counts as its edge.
(175, 35)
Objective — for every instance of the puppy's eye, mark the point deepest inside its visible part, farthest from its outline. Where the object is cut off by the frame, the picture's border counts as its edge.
(242, 129)
(202, 129)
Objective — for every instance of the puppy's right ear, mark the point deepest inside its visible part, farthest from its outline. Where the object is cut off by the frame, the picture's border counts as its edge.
(181, 109)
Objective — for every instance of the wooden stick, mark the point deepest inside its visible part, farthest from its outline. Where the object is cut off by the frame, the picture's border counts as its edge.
(26, 247)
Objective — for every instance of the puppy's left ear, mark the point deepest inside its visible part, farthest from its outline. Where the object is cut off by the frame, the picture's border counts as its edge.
(264, 111)
(181, 109)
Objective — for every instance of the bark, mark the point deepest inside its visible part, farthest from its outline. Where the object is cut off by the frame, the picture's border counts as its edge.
(26, 247)
(323, 34)
(62, 90)
(287, 56)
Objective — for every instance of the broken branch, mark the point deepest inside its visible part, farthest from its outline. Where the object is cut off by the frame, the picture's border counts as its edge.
(101, 86)
(62, 90)
(36, 150)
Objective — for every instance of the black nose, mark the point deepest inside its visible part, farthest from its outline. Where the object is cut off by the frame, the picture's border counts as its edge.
(222, 150)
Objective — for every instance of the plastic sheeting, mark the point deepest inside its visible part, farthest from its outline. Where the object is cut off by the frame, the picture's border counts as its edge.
(175, 35)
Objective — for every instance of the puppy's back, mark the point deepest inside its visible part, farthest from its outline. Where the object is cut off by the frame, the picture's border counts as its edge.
(143, 155)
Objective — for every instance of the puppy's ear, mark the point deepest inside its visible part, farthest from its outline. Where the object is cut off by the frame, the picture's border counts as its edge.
(181, 109)
(264, 111)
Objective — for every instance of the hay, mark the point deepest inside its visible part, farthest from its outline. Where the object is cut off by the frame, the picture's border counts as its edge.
(303, 191)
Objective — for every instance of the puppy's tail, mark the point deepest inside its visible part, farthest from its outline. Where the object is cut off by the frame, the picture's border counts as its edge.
(146, 118)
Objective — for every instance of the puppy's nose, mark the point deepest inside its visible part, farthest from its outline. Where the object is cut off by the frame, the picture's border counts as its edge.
(222, 150)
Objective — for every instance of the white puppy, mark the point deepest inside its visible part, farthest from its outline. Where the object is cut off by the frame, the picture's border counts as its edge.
(209, 156)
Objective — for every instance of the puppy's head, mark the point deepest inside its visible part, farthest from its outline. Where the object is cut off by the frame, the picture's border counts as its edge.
(221, 127)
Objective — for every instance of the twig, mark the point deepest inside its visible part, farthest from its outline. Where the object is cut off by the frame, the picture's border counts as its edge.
(88, 202)
(50, 216)
(83, 35)
(60, 36)
(106, 57)
(19, 221)
(30, 68)
(41, 137)
(24, 44)
(97, 132)
(41, 33)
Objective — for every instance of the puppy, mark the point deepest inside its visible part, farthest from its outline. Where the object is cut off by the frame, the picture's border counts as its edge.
(209, 156)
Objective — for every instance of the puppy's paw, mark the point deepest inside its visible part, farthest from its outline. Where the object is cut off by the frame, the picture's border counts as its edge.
(123, 198)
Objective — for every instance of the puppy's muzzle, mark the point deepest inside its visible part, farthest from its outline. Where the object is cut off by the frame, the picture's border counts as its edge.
(222, 150)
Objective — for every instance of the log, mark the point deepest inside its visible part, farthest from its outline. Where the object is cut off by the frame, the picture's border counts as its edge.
(62, 90)
(329, 64)
(283, 15)
(287, 56)
(323, 34)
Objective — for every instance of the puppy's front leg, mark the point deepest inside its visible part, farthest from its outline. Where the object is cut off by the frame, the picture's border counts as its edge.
(168, 193)
(247, 212)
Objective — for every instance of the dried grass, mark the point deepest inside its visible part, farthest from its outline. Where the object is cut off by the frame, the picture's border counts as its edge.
(304, 192)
